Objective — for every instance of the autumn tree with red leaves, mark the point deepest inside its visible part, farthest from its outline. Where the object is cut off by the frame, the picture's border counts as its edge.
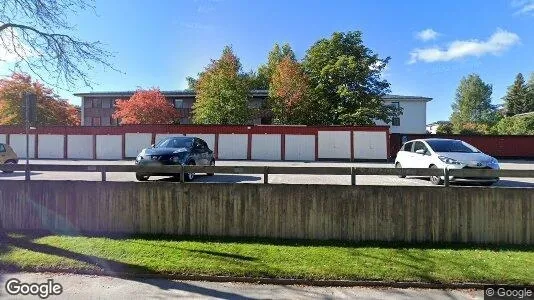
(146, 107)
(289, 93)
(51, 109)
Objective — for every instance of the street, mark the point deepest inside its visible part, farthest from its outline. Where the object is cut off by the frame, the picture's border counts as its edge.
(103, 287)
(258, 178)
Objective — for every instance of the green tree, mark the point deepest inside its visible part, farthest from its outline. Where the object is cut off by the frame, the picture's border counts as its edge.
(515, 100)
(472, 105)
(346, 80)
(265, 72)
(222, 92)
(530, 94)
(444, 128)
(516, 125)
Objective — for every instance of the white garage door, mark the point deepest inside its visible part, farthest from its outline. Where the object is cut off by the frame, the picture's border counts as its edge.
(109, 146)
(334, 144)
(80, 146)
(18, 143)
(51, 145)
(300, 147)
(266, 147)
(233, 146)
(370, 145)
(3, 138)
(135, 142)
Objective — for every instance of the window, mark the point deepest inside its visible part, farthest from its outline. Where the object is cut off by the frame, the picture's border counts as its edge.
(106, 103)
(419, 146)
(395, 121)
(407, 147)
(88, 121)
(178, 103)
(2, 148)
(113, 121)
(96, 121)
(97, 102)
(88, 103)
(204, 145)
(106, 121)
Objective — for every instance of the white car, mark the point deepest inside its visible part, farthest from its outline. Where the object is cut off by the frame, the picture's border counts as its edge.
(442, 153)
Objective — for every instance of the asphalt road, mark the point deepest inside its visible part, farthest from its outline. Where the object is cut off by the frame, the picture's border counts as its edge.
(102, 287)
(258, 178)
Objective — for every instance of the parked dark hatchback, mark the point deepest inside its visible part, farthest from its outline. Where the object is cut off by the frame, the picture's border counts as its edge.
(176, 151)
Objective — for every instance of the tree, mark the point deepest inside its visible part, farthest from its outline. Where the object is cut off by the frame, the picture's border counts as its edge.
(530, 94)
(222, 92)
(289, 93)
(51, 110)
(515, 100)
(472, 105)
(444, 128)
(516, 125)
(346, 77)
(146, 107)
(37, 36)
(265, 72)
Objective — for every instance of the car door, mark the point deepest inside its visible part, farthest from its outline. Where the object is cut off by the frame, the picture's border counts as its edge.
(405, 155)
(420, 160)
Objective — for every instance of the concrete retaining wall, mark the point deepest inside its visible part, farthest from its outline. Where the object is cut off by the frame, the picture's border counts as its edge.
(362, 213)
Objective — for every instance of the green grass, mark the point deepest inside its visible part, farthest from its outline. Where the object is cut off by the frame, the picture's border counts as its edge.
(269, 258)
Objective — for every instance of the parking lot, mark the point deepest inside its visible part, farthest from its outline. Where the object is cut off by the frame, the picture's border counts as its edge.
(258, 178)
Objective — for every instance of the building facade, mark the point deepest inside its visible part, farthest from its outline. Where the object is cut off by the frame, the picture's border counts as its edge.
(98, 108)
(413, 118)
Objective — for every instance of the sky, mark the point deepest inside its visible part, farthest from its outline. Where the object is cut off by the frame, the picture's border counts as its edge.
(432, 44)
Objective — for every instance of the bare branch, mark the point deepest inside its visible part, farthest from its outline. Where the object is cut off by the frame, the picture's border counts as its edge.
(35, 32)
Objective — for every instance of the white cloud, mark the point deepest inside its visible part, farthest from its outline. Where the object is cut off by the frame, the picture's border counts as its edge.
(498, 42)
(427, 35)
(523, 7)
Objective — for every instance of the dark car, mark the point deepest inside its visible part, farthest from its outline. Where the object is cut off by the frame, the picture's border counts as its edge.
(176, 151)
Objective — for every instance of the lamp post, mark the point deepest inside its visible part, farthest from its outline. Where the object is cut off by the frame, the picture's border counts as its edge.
(30, 113)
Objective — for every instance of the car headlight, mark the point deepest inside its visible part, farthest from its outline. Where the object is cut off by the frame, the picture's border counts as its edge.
(139, 157)
(493, 161)
(449, 161)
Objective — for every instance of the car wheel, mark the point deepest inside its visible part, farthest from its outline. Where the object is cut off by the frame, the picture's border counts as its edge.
(190, 176)
(436, 180)
(399, 166)
(140, 177)
(212, 164)
(9, 162)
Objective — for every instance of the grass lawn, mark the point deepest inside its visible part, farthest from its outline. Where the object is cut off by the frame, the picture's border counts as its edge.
(270, 258)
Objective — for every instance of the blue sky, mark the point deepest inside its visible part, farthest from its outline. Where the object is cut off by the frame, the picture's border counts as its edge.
(159, 43)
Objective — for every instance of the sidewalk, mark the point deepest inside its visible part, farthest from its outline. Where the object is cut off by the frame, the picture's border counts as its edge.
(94, 287)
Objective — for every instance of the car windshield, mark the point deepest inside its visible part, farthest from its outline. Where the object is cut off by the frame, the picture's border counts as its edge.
(175, 143)
(451, 146)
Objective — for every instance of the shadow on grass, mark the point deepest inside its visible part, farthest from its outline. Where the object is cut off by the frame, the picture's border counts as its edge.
(289, 242)
(111, 267)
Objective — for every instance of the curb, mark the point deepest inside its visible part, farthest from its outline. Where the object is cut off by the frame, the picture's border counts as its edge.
(266, 280)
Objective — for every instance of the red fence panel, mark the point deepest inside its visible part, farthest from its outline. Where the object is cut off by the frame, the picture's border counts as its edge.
(503, 146)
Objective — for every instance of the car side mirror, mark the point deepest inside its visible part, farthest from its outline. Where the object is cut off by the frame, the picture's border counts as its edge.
(152, 146)
(420, 151)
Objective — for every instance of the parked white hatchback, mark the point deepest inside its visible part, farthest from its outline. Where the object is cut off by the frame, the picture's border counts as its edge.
(445, 153)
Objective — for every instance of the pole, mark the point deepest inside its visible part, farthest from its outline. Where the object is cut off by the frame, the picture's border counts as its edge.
(27, 126)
